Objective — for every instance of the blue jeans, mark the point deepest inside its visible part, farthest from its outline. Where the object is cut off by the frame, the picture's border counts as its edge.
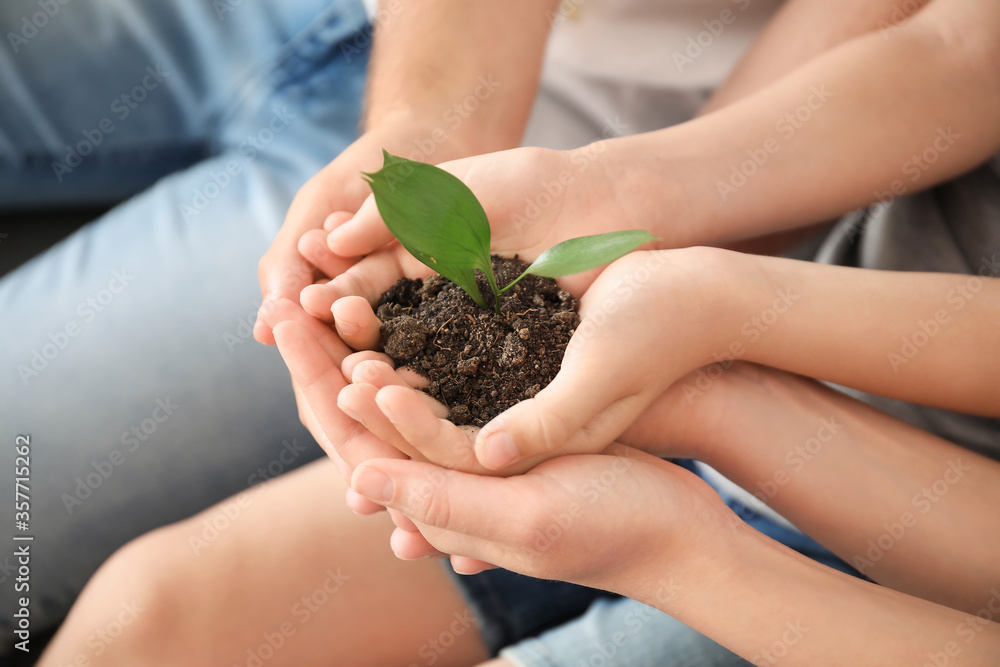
(127, 349)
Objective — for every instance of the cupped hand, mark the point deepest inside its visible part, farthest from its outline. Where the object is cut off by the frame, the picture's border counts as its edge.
(595, 520)
(647, 323)
(299, 255)
(534, 199)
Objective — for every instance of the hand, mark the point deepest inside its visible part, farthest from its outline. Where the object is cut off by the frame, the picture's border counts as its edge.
(533, 197)
(602, 521)
(299, 256)
(649, 320)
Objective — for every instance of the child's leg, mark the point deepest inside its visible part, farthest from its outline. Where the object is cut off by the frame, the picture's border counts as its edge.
(284, 575)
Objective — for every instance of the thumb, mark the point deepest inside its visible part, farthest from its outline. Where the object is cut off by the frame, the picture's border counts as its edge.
(582, 410)
(361, 235)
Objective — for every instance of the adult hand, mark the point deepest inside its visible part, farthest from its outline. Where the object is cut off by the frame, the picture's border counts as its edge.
(606, 521)
(298, 256)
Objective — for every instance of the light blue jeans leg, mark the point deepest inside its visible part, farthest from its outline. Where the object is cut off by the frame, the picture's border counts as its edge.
(126, 349)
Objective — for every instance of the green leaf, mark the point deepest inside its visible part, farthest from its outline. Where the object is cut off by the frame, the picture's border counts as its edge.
(437, 218)
(587, 252)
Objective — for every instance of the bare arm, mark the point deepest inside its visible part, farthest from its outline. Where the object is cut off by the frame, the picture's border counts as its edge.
(459, 61)
(802, 30)
(872, 118)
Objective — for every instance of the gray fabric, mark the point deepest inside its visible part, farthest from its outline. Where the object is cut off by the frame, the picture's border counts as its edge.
(952, 228)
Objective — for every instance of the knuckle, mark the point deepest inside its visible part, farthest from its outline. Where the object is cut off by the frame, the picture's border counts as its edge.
(428, 499)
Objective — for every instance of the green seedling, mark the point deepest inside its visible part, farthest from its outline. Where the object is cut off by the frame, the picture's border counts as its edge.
(438, 219)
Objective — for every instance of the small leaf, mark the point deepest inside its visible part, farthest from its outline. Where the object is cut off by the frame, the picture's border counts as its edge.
(587, 252)
(437, 218)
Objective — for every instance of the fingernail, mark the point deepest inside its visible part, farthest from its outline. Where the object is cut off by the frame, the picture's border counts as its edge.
(347, 328)
(389, 414)
(335, 236)
(373, 484)
(499, 450)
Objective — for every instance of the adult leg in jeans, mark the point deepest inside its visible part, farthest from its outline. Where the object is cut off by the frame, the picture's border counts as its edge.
(127, 355)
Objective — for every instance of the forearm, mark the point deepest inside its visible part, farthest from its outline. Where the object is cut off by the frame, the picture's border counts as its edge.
(908, 509)
(471, 68)
(802, 30)
(770, 604)
(927, 338)
(870, 119)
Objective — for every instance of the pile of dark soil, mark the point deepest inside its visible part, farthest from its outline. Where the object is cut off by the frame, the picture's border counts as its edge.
(479, 363)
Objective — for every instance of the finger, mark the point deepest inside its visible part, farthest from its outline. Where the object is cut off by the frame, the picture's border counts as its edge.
(358, 402)
(312, 246)
(362, 235)
(317, 298)
(283, 273)
(403, 522)
(351, 361)
(336, 219)
(468, 566)
(320, 379)
(412, 546)
(374, 274)
(580, 411)
(454, 502)
(283, 310)
(436, 439)
(361, 505)
(356, 323)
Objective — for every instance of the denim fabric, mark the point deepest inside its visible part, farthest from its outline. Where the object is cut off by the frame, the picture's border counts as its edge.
(127, 349)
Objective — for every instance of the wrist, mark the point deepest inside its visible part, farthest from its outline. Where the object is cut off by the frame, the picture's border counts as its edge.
(659, 175)
(690, 561)
(439, 134)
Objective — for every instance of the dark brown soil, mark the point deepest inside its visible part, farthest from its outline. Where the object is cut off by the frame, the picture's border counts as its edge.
(479, 363)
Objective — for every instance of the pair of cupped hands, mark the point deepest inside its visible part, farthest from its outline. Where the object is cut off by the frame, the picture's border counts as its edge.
(566, 485)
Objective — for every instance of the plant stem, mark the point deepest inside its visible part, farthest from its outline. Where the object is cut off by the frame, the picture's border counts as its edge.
(493, 286)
